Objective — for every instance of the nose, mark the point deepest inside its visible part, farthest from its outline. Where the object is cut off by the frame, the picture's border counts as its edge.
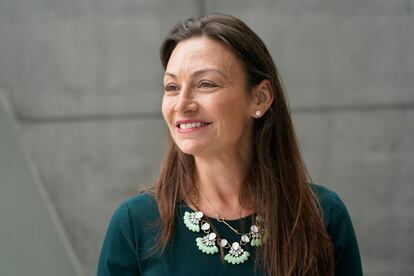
(185, 102)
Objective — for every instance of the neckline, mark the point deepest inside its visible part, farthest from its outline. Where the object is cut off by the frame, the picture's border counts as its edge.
(185, 205)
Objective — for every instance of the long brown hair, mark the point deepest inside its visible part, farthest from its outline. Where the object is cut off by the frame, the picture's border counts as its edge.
(277, 183)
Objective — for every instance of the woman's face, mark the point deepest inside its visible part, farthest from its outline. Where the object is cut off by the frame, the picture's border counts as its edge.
(204, 82)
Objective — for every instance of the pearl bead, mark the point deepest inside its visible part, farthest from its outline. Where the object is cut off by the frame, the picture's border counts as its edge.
(245, 238)
(199, 215)
(212, 236)
(254, 229)
(205, 226)
(223, 242)
(235, 245)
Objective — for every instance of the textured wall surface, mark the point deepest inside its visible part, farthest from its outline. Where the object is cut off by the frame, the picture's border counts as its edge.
(31, 237)
(84, 80)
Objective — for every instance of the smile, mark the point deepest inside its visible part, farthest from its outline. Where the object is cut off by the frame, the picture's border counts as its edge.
(192, 125)
(184, 128)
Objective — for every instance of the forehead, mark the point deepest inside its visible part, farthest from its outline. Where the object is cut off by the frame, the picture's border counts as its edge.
(201, 53)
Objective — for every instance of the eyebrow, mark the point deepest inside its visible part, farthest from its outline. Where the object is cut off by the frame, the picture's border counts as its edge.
(199, 72)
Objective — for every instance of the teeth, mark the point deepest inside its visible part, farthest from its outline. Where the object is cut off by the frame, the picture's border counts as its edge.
(192, 125)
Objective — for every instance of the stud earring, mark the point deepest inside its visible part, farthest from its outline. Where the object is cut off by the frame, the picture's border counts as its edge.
(258, 113)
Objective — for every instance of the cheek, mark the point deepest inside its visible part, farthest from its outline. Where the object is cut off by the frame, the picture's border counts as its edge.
(235, 108)
(233, 115)
(166, 110)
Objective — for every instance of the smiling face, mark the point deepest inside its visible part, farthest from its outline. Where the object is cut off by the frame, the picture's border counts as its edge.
(204, 82)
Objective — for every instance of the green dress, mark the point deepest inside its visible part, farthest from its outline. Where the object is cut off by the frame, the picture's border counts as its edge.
(132, 233)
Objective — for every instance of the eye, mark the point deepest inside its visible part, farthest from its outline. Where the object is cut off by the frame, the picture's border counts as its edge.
(207, 84)
(170, 87)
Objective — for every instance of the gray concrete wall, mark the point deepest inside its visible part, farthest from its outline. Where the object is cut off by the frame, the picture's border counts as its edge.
(84, 80)
(32, 239)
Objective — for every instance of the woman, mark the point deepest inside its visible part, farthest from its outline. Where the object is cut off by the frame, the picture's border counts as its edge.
(233, 196)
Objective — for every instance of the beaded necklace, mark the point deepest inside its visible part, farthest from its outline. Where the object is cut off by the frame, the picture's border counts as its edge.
(209, 243)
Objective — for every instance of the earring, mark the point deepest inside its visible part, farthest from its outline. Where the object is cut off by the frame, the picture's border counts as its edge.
(258, 113)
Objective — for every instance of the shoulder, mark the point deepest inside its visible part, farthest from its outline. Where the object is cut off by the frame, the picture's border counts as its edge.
(139, 207)
(135, 210)
(124, 237)
(141, 201)
(324, 195)
(339, 227)
(333, 208)
(135, 219)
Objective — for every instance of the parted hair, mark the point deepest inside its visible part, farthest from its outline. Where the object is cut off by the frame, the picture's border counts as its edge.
(277, 183)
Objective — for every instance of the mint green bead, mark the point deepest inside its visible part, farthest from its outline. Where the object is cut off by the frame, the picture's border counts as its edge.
(256, 242)
(191, 226)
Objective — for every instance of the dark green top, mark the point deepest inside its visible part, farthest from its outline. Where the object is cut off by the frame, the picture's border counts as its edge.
(130, 236)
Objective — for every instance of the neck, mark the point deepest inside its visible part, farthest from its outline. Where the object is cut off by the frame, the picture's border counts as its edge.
(219, 183)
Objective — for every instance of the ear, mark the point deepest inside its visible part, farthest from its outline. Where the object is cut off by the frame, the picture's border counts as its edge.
(261, 98)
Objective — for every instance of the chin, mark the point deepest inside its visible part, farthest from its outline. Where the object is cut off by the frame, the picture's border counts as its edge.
(191, 148)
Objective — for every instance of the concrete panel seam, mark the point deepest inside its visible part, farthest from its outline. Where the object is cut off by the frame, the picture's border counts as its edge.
(150, 116)
(353, 108)
(88, 118)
